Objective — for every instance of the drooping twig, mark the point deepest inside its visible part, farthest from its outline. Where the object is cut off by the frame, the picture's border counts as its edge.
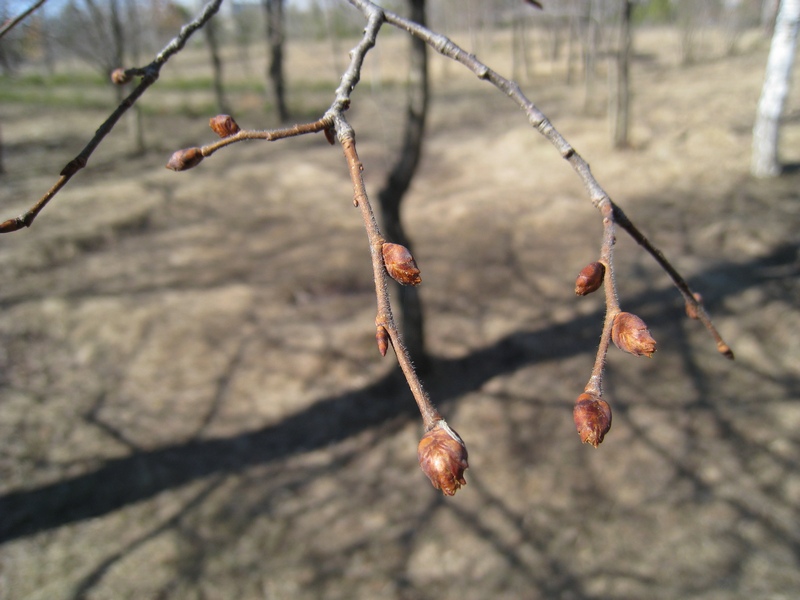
(384, 318)
(540, 122)
(149, 75)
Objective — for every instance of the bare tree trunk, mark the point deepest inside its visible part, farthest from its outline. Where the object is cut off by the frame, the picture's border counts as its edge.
(273, 12)
(216, 65)
(764, 162)
(399, 180)
(620, 104)
(590, 55)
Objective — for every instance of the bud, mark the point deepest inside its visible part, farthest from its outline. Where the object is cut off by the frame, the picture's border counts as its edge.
(590, 278)
(630, 334)
(382, 336)
(443, 458)
(400, 264)
(691, 309)
(120, 77)
(223, 125)
(330, 135)
(185, 159)
(592, 417)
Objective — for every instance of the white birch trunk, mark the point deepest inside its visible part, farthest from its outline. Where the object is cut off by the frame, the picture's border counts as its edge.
(764, 161)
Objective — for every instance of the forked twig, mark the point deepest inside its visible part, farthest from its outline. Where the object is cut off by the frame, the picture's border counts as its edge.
(442, 453)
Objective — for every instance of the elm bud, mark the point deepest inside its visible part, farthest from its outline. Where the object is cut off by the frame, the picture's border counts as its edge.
(383, 339)
(120, 77)
(400, 264)
(223, 125)
(592, 417)
(691, 309)
(443, 458)
(182, 160)
(590, 278)
(630, 334)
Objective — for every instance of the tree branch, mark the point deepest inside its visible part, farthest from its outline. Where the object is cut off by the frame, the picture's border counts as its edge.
(149, 75)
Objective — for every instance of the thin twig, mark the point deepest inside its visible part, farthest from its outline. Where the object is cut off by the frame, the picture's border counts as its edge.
(11, 23)
(385, 317)
(149, 76)
(269, 135)
(595, 384)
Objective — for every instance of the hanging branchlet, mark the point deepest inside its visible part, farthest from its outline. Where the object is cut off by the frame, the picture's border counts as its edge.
(442, 453)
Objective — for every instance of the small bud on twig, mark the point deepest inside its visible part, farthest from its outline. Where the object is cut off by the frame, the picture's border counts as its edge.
(443, 458)
(182, 160)
(330, 135)
(630, 334)
(691, 309)
(590, 278)
(382, 336)
(400, 264)
(120, 77)
(592, 417)
(223, 125)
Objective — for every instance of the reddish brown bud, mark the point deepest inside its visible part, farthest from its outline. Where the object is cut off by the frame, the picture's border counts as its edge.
(590, 278)
(223, 125)
(330, 135)
(120, 77)
(382, 336)
(631, 335)
(181, 160)
(443, 458)
(535, 3)
(400, 264)
(592, 417)
(691, 309)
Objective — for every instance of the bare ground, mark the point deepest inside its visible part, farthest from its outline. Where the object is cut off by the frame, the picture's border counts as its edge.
(192, 404)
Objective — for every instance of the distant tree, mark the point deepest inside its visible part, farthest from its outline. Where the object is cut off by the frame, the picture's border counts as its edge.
(764, 160)
(212, 40)
(275, 25)
(620, 96)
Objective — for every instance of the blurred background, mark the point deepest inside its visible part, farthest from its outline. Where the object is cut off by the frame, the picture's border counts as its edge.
(191, 401)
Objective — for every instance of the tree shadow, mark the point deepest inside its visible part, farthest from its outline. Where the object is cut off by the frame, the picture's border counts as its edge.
(123, 481)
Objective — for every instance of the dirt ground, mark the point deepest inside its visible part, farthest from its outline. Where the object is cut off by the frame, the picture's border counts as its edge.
(192, 404)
